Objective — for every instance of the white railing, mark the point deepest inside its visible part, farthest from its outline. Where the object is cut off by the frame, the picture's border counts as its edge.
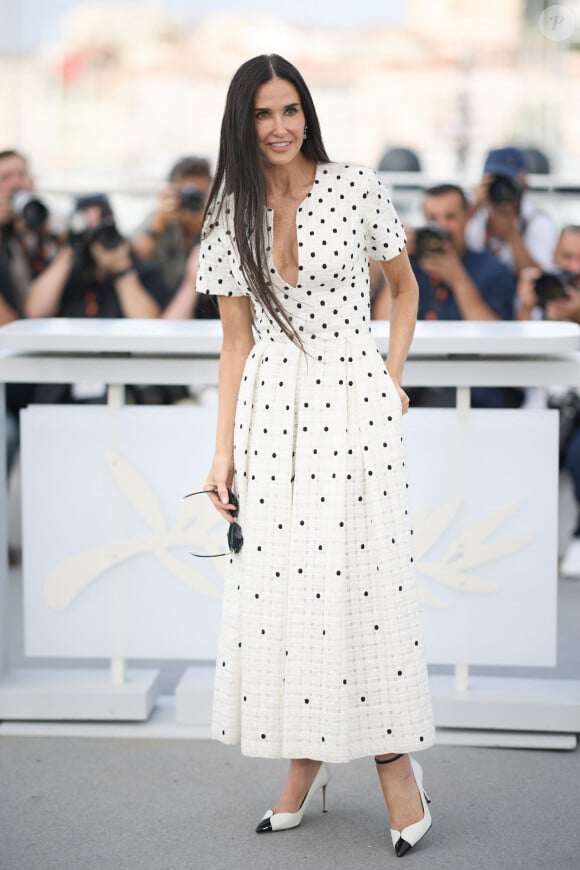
(106, 540)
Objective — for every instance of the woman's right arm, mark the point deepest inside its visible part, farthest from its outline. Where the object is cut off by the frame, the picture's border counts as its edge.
(238, 340)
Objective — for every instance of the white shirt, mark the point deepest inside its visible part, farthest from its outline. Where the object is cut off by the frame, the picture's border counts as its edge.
(538, 230)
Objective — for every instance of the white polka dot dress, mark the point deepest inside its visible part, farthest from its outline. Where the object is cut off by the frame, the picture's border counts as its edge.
(320, 651)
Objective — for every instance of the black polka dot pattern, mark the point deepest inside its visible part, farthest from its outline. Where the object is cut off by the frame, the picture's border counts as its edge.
(320, 651)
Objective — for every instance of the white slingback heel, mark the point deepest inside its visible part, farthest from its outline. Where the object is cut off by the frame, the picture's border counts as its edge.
(403, 841)
(272, 821)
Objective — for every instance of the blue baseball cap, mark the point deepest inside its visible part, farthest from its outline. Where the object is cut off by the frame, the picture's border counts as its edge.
(505, 161)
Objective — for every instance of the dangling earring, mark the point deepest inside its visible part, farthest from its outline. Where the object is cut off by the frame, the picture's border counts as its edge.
(305, 136)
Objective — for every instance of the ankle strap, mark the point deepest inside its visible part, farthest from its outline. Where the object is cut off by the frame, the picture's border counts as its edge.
(388, 760)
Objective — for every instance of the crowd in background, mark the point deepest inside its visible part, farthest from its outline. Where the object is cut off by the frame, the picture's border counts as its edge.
(487, 254)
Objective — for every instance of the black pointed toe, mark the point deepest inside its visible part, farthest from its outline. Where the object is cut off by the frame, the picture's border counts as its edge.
(283, 821)
(402, 847)
(264, 826)
(403, 841)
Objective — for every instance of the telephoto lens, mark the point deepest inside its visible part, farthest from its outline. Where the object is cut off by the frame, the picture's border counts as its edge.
(107, 235)
(503, 189)
(191, 198)
(32, 210)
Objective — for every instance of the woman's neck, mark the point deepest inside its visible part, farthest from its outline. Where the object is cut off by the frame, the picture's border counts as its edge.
(290, 180)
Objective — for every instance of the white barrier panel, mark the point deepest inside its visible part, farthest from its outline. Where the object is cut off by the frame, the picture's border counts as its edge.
(484, 490)
(106, 536)
(107, 570)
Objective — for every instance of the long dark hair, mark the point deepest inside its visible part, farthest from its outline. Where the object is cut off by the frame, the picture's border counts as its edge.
(239, 172)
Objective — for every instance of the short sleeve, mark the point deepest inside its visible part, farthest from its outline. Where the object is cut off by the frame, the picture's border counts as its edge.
(215, 274)
(384, 234)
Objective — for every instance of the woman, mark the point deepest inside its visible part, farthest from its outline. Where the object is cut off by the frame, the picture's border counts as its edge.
(320, 655)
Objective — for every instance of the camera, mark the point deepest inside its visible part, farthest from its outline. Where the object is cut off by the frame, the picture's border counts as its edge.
(107, 234)
(552, 285)
(430, 240)
(82, 233)
(503, 189)
(191, 198)
(32, 210)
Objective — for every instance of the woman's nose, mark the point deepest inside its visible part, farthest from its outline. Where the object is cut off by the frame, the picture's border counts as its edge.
(279, 126)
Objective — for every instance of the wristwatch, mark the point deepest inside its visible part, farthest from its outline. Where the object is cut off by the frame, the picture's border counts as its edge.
(114, 276)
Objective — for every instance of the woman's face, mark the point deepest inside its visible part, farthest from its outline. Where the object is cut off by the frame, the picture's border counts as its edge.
(280, 122)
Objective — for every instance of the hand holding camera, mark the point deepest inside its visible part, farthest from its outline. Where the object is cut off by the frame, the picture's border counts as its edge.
(501, 194)
(527, 299)
(436, 254)
(557, 293)
(92, 230)
(112, 260)
(566, 306)
(175, 202)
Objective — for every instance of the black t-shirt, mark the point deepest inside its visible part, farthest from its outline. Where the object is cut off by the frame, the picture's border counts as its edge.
(85, 295)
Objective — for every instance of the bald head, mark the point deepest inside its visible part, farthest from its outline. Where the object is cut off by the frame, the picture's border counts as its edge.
(567, 253)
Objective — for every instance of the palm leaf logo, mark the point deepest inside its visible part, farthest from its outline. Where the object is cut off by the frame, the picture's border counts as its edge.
(75, 574)
(468, 551)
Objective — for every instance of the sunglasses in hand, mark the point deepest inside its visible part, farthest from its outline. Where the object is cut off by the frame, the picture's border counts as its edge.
(235, 537)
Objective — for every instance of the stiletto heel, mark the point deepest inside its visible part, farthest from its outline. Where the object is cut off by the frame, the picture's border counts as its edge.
(272, 821)
(403, 841)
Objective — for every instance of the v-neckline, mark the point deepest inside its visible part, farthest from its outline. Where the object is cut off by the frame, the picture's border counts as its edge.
(270, 211)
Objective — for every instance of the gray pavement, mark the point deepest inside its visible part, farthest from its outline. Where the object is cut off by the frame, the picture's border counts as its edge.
(105, 804)
(119, 804)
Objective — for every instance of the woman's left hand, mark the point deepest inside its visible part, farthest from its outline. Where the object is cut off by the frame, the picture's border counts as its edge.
(403, 397)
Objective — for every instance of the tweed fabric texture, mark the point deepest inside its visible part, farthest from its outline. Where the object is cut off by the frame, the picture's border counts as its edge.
(320, 651)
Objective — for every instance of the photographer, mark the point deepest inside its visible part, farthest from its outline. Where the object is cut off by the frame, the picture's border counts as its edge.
(555, 295)
(503, 219)
(95, 274)
(173, 230)
(27, 244)
(456, 283)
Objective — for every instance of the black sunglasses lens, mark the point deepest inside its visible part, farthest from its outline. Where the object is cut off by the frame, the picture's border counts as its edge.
(235, 538)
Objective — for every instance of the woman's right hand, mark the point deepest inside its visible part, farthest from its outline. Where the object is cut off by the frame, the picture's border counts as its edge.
(218, 480)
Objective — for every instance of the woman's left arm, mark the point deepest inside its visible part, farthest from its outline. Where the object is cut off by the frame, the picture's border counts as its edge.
(404, 302)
